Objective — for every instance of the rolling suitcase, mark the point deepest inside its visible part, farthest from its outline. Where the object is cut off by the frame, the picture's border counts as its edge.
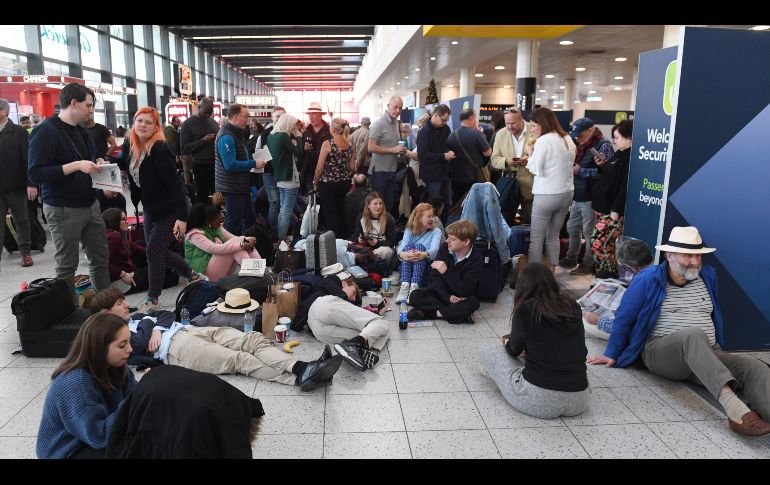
(518, 242)
(321, 250)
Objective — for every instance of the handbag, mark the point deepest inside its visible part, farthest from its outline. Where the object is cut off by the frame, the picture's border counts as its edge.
(482, 172)
(288, 260)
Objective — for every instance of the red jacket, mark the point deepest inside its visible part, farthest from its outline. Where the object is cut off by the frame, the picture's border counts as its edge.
(120, 259)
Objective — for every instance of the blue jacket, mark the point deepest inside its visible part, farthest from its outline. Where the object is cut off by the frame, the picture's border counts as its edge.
(637, 315)
(482, 207)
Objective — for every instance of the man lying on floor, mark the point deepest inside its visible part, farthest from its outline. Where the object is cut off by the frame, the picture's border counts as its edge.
(333, 319)
(216, 350)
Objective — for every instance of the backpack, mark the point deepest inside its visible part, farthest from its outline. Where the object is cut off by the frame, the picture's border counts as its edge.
(491, 281)
(195, 297)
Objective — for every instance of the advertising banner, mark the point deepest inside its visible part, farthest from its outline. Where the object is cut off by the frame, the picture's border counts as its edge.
(457, 105)
(652, 127)
(718, 174)
(182, 110)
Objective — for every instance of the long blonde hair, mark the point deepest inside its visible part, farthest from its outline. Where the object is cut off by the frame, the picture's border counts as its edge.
(341, 127)
(414, 219)
(368, 226)
(136, 144)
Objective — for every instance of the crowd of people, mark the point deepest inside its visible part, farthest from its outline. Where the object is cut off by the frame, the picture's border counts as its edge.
(200, 186)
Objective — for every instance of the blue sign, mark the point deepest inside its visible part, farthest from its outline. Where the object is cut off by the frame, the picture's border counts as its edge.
(457, 105)
(652, 128)
(718, 175)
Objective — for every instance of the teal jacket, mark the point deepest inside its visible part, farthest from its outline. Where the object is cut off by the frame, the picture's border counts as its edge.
(283, 150)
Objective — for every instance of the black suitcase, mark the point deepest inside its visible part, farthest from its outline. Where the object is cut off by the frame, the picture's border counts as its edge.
(37, 235)
(54, 341)
(491, 281)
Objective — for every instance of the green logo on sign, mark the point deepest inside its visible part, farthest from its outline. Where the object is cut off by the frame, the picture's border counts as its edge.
(620, 116)
(466, 105)
(668, 89)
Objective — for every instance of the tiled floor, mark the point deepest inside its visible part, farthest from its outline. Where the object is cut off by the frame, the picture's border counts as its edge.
(426, 399)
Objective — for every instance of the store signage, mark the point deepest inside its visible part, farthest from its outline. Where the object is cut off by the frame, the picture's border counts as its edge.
(185, 80)
(217, 111)
(255, 100)
(182, 110)
(49, 34)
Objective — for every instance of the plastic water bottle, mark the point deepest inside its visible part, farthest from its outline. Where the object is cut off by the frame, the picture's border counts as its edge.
(184, 316)
(248, 322)
(402, 318)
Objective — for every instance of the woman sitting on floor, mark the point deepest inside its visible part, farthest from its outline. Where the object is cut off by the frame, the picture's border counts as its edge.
(541, 370)
(375, 232)
(209, 248)
(420, 245)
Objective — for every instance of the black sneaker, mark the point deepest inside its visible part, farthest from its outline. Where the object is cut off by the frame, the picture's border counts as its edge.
(583, 269)
(318, 372)
(353, 353)
(370, 358)
(327, 352)
(568, 262)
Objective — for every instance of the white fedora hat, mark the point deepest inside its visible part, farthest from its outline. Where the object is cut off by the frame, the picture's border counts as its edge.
(685, 240)
(237, 300)
(315, 107)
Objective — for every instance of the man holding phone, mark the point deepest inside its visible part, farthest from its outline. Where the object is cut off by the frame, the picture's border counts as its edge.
(591, 144)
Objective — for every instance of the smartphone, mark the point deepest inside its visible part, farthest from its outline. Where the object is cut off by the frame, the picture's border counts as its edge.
(596, 153)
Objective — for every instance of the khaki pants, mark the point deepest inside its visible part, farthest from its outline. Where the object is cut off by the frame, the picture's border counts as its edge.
(225, 350)
(333, 320)
(687, 354)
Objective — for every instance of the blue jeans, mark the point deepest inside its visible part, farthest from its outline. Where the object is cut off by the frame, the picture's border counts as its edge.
(273, 201)
(288, 198)
(581, 215)
(240, 212)
(444, 189)
(384, 184)
(411, 271)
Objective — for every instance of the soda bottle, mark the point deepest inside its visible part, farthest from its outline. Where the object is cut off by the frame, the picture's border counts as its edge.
(402, 318)
(184, 316)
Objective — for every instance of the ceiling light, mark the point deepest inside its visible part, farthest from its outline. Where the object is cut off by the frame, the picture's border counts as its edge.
(236, 37)
(549, 76)
(303, 54)
(760, 27)
(416, 69)
(620, 59)
(541, 91)
(507, 86)
(591, 92)
(566, 42)
(499, 68)
(538, 99)
(587, 82)
(432, 58)
(618, 77)
(553, 96)
(617, 89)
(580, 69)
(406, 77)
(454, 42)
(398, 84)
(391, 88)
(479, 75)
(561, 87)
(450, 85)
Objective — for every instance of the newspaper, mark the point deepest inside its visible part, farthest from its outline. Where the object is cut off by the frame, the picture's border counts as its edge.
(603, 299)
(108, 178)
(261, 154)
(252, 267)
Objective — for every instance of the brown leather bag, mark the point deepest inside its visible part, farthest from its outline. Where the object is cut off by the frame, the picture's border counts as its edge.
(288, 260)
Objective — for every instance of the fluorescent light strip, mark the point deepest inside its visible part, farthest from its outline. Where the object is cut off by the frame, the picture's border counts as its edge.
(305, 54)
(302, 66)
(305, 36)
(310, 74)
(341, 81)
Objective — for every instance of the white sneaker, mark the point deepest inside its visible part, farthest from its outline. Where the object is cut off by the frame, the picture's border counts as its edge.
(403, 293)
(412, 287)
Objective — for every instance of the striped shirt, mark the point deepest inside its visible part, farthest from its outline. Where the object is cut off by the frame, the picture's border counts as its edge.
(686, 307)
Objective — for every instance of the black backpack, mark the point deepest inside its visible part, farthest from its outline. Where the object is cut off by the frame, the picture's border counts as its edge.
(490, 282)
(195, 297)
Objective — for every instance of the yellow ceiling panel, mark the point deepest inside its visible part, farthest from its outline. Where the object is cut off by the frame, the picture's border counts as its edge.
(499, 31)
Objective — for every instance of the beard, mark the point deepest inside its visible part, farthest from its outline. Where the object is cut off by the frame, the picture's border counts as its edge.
(690, 273)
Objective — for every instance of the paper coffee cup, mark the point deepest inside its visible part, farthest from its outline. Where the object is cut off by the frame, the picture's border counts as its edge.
(280, 333)
(288, 286)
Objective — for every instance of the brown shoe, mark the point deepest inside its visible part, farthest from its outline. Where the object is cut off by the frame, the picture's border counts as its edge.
(26, 260)
(753, 425)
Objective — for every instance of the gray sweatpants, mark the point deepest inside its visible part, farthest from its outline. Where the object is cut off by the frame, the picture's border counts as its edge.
(687, 354)
(523, 396)
(548, 213)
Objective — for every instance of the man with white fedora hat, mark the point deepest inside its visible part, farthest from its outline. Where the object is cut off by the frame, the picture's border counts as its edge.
(316, 132)
(216, 350)
(670, 318)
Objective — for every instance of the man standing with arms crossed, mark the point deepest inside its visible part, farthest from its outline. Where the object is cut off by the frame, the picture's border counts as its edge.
(62, 158)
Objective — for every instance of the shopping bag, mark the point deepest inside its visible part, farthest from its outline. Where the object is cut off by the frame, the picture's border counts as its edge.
(269, 317)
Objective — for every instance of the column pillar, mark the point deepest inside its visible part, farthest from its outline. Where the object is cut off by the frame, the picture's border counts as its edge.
(569, 93)
(526, 74)
(467, 81)
(671, 35)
